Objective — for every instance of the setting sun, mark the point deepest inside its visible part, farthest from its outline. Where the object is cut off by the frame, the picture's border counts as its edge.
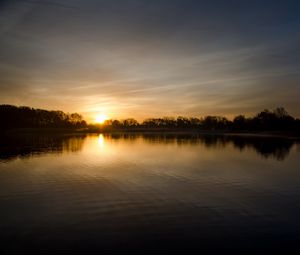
(101, 118)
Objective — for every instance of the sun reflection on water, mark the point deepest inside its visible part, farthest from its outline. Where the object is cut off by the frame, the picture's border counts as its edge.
(101, 141)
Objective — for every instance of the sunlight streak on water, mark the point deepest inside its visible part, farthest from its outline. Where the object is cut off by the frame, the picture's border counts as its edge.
(101, 141)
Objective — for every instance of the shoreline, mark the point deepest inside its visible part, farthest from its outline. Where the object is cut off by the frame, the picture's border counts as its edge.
(64, 131)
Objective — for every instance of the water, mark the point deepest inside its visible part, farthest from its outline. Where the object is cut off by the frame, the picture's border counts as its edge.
(148, 194)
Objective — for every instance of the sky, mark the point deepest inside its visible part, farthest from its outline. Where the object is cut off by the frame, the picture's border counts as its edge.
(151, 58)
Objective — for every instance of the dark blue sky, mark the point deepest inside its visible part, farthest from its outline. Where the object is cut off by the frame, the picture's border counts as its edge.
(146, 58)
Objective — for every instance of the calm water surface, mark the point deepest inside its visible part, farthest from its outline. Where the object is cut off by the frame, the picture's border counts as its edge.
(149, 194)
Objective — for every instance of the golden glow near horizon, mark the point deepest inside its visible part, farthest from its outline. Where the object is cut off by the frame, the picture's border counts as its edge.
(101, 118)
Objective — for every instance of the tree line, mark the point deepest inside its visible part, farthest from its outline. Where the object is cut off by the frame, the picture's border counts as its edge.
(276, 120)
(266, 120)
(26, 117)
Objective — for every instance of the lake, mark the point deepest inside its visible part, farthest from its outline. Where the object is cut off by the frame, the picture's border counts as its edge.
(149, 194)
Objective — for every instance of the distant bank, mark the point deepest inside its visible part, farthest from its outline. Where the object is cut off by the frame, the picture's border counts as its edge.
(266, 123)
(143, 131)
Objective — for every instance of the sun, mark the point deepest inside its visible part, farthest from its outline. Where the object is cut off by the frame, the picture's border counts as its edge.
(101, 118)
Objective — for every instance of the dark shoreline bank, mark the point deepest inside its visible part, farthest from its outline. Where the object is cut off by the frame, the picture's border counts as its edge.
(154, 131)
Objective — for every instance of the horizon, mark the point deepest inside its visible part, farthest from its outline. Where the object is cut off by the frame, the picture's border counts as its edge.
(150, 59)
(105, 120)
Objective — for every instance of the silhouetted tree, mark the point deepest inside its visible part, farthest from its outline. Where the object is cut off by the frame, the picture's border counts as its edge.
(239, 122)
(25, 117)
(130, 122)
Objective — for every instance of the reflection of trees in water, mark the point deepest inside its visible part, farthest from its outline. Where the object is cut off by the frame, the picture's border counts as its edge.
(278, 148)
(73, 144)
(28, 145)
(275, 147)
